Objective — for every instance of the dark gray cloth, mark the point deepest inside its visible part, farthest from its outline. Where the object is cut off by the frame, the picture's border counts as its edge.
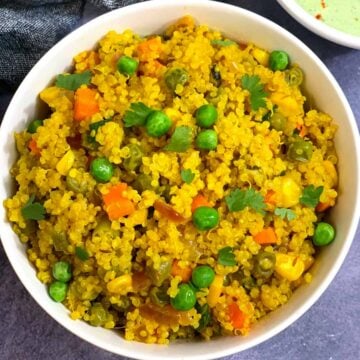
(28, 28)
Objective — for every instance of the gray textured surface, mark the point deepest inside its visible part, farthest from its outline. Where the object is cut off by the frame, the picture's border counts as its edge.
(328, 331)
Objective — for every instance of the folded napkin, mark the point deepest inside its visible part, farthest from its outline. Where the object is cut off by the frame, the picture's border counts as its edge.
(29, 28)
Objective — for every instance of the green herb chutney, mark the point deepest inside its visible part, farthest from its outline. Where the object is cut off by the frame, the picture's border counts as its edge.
(343, 15)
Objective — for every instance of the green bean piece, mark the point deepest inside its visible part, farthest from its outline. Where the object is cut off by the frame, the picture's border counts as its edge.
(294, 76)
(248, 282)
(103, 229)
(98, 315)
(264, 265)
(176, 76)
(134, 160)
(75, 185)
(142, 183)
(60, 241)
(159, 296)
(300, 150)
(215, 99)
(278, 121)
(158, 276)
(236, 276)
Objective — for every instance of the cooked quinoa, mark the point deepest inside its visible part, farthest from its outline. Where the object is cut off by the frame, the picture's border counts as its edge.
(136, 209)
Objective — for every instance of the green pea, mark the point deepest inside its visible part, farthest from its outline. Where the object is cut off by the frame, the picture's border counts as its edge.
(142, 183)
(207, 140)
(324, 234)
(34, 125)
(58, 290)
(158, 124)
(206, 115)
(205, 218)
(135, 157)
(300, 150)
(294, 76)
(62, 271)
(279, 60)
(98, 315)
(176, 76)
(127, 65)
(264, 265)
(101, 169)
(277, 121)
(185, 299)
(202, 276)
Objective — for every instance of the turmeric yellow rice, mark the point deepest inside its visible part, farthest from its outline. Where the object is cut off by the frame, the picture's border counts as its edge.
(178, 187)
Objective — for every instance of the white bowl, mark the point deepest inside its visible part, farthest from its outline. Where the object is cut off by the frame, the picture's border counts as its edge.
(319, 27)
(153, 17)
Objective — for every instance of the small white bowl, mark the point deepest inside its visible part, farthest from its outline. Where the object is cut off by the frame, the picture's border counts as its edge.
(244, 26)
(319, 27)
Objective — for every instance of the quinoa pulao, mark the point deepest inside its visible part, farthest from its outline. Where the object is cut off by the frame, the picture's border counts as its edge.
(177, 187)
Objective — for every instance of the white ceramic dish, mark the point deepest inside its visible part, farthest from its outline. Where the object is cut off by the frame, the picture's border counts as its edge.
(319, 27)
(236, 23)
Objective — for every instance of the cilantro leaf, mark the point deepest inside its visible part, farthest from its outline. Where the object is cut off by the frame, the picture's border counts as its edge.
(137, 115)
(252, 84)
(95, 127)
(226, 257)
(81, 253)
(205, 319)
(73, 81)
(187, 175)
(222, 42)
(33, 210)
(285, 213)
(311, 195)
(240, 199)
(180, 140)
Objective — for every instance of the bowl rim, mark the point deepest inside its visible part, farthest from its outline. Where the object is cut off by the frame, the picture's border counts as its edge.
(83, 30)
(318, 27)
